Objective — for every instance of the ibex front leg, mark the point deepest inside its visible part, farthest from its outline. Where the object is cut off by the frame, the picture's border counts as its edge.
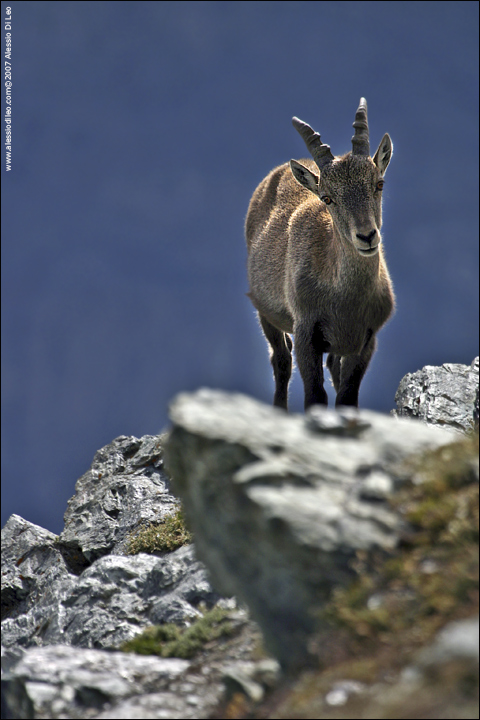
(309, 348)
(281, 360)
(353, 368)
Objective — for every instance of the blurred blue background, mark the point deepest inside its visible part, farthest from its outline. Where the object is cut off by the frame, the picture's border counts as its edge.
(140, 131)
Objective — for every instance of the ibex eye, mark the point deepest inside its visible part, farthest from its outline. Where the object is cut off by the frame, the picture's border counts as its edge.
(327, 200)
(380, 185)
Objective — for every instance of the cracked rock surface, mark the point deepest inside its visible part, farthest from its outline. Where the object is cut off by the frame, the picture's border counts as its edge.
(81, 588)
(69, 601)
(280, 504)
(445, 395)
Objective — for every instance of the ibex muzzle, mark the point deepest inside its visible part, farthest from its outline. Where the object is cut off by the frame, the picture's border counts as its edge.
(316, 265)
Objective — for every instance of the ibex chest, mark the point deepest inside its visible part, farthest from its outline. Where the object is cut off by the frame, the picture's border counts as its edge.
(348, 309)
(357, 309)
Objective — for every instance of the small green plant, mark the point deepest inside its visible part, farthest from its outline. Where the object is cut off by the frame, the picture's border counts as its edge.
(163, 537)
(183, 642)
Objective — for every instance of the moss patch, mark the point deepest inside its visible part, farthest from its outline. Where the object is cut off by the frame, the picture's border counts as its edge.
(433, 578)
(397, 605)
(183, 642)
(164, 537)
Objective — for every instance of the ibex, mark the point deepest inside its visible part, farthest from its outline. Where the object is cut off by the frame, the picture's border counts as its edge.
(315, 263)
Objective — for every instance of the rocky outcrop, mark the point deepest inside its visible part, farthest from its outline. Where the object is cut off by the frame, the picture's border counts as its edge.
(285, 509)
(281, 504)
(81, 588)
(65, 681)
(106, 605)
(124, 489)
(68, 600)
(444, 396)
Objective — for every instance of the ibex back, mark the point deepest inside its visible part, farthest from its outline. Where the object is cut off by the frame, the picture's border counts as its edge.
(316, 266)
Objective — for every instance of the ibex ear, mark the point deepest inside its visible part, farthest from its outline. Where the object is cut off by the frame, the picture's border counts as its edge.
(384, 153)
(305, 176)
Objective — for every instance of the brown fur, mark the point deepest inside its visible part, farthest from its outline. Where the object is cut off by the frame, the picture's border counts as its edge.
(318, 271)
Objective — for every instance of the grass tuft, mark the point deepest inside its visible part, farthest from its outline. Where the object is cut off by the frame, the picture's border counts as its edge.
(183, 642)
(164, 537)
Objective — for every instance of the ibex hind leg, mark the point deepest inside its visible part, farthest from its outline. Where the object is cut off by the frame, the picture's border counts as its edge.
(353, 368)
(281, 360)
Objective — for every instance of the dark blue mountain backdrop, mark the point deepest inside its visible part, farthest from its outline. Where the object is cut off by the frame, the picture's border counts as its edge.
(140, 131)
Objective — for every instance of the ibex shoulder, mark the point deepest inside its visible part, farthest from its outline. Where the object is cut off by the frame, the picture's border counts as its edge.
(277, 199)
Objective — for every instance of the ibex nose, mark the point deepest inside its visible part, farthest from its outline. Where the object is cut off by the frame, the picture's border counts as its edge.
(367, 238)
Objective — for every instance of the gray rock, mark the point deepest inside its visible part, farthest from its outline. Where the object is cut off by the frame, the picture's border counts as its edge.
(458, 639)
(341, 691)
(279, 504)
(32, 567)
(124, 489)
(110, 602)
(52, 594)
(35, 581)
(167, 704)
(67, 599)
(344, 422)
(445, 396)
(476, 410)
(440, 680)
(250, 678)
(61, 681)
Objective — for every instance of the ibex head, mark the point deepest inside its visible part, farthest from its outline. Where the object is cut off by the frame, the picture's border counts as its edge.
(351, 185)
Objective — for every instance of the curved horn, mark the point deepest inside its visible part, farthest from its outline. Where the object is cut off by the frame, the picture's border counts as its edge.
(360, 141)
(321, 153)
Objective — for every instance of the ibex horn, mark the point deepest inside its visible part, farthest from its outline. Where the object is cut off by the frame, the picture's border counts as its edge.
(321, 153)
(360, 141)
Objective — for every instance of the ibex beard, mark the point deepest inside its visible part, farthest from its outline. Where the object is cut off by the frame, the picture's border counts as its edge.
(316, 265)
